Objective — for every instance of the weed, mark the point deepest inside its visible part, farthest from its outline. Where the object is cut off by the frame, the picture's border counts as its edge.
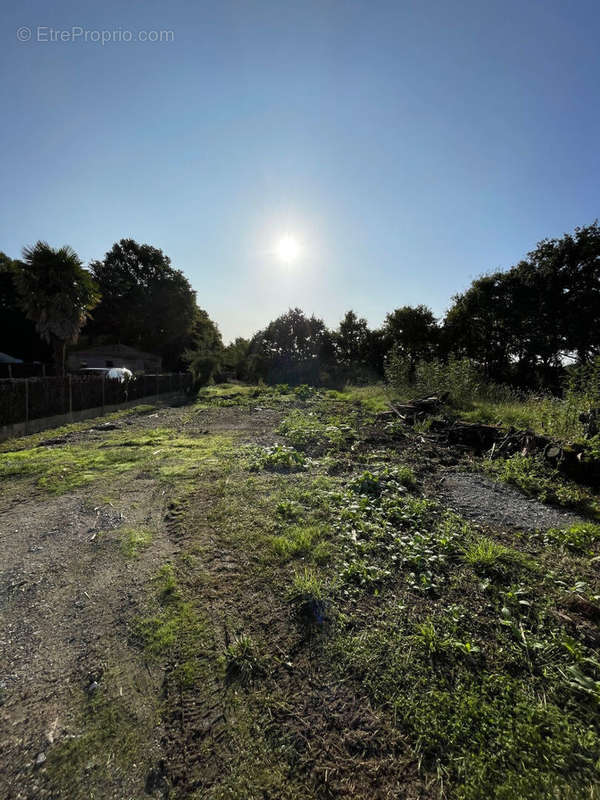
(307, 598)
(492, 559)
(278, 459)
(579, 538)
(303, 541)
(304, 391)
(243, 664)
(390, 479)
(289, 510)
(533, 477)
(306, 430)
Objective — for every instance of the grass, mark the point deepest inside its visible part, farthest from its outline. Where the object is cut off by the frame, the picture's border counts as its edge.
(489, 558)
(160, 453)
(35, 439)
(372, 398)
(177, 633)
(304, 541)
(308, 598)
(134, 540)
(243, 662)
(535, 478)
(544, 415)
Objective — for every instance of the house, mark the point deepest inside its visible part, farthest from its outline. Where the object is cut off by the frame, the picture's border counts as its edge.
(114, 355)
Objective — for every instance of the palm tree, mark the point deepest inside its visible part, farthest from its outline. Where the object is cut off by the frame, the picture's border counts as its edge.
(57, 294)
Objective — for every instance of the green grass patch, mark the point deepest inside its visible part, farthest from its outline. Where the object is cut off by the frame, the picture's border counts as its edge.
(304, 541)
(491, 559)
(134, 540)
(160, 453)
(178, 633)
(35, 439)
(475, 731)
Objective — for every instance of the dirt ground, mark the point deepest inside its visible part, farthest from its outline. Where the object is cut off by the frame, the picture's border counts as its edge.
(69, 604)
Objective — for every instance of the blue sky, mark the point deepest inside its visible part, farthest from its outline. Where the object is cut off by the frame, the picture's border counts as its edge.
(409, 146)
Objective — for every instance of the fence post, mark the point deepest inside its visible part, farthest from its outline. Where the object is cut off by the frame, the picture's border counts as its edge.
(26, 405)
(157, 386)
(103, 378)
(71, 398)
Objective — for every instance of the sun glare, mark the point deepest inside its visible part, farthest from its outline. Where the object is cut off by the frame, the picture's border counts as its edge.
(287, 249)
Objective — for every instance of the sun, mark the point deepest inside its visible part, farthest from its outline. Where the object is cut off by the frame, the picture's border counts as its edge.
(287, 248)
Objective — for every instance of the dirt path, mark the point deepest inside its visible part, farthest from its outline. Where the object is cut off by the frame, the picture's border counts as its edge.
(69, 599)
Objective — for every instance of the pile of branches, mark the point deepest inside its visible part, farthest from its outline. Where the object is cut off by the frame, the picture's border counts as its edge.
(573, 459)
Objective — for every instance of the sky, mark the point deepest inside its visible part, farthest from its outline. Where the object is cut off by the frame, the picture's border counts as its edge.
(408, 147)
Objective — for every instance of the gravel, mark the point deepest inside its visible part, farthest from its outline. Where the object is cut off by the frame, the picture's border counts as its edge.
(488, 502)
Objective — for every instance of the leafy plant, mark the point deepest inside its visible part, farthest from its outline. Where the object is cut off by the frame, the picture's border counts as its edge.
(278, 458)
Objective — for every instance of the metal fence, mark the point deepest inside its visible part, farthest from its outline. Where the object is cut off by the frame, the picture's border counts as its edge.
(31, 398)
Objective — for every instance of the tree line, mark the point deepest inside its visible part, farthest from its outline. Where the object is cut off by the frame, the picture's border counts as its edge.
(132, 296)
(522, 326)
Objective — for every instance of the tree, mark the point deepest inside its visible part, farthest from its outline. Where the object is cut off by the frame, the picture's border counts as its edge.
(480, 324)
(567, 273)
(146, 303)
(359, 352)
(206, 351)
(57, 294)
(291, 349)
(351, 340)
(235, 358)
(527, 322)
(18, 335)
(412, 332)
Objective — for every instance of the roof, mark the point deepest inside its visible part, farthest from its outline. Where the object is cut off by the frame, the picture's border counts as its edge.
(6, 359)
